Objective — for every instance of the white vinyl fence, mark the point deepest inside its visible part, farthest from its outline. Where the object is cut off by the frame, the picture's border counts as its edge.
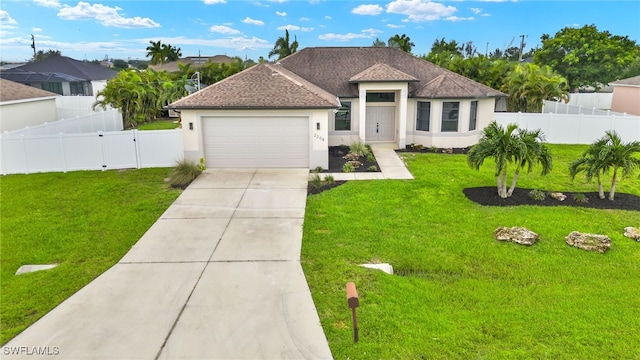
(558, 107)
(24, 154)
(574, 129)
(591, 100)
(72, 106)
(109, 120)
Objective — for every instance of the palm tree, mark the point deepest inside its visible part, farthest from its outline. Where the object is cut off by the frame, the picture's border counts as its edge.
(509, 145)
(282, 48)
(401, 42)
(528, 85)
(155, 51)
(379, 43)
(608, 152)
(170, 53)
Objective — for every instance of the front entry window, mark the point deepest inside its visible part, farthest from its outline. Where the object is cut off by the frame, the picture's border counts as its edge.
(343, 117)
(381, 97)
(450, 114)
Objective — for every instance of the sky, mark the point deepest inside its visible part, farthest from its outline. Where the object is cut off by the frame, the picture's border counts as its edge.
(122, 29)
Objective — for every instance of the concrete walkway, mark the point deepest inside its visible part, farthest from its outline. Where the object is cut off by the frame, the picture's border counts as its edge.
(218, 276)
(391, 167)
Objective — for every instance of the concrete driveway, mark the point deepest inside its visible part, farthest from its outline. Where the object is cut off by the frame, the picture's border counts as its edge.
(218, 276)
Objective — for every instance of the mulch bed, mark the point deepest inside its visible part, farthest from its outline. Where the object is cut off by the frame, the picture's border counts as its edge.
(312, 190)
(488, 196)
(336, 161)
(419, 149)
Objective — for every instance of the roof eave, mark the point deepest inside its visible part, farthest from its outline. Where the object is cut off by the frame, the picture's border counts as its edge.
(197, 107)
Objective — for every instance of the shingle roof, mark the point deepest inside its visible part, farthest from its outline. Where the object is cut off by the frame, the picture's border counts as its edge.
(63, 65)
(26, 77)
(331, 68)
(11, 91)
(195, 61)
(381, 73)
(632, 81)
(261, 86)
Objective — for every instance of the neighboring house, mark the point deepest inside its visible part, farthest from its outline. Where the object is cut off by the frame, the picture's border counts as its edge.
(626, 96)
(194, 61)
(22, 106)
(62, 75)
(288, 114)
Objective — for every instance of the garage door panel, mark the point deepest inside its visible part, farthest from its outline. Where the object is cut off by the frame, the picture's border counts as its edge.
(256, 142)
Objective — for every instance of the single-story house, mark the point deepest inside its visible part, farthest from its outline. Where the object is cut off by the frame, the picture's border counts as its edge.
(22, 106)
(288, 114)
(626, 96)
(62, 75)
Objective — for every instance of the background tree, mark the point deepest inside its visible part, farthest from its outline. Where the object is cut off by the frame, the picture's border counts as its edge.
(140, 95)
(401, 42)
(608, 152)
(42, 55)
(510, 145)
(120, 64)
(528, 85)
(586, 56)
(161, 53)
(154, 51)
(379, 43)
(283, 48)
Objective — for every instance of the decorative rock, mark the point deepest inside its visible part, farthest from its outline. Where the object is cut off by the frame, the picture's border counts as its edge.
(558, 196)
(518, 235)
(384, 267)
(589, 242)
(632, 233)
(33, 268)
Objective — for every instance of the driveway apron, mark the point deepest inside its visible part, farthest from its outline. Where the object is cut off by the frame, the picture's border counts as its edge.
(218, 276)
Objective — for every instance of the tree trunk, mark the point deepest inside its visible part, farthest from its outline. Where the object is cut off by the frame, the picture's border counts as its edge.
(499, 184)
(600, 188)
(513, 182)
(612, 193)
(502, 187)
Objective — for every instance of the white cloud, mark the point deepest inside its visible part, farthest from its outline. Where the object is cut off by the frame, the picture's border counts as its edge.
(392, 26)
(476, 10)
(278, 1)
(420, 10)
(485, 14)
(213, 2)
(48, 3)
(281, 13)
(239, 43)
(36, 29)
(367, 10)
(107, 16)
(304, 19)
(328, 17)
(364, 34)
(7, 21)
(223, 29)
(249, 20)
(456, 18)
(295, 28)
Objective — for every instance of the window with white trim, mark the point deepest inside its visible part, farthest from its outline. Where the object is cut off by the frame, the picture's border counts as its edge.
(473, 115)
(424, 116)
(450, 115)
(343, 117)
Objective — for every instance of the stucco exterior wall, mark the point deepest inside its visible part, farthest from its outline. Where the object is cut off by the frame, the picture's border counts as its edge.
(626, 99)
(16, 115)
(318, 130)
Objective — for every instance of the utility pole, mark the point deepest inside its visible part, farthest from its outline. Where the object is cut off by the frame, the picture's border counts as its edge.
(522, 44)
(33, 46)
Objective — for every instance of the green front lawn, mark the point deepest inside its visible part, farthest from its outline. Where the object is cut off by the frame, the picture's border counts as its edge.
(467, 295)
(85, 221)
(165, 124)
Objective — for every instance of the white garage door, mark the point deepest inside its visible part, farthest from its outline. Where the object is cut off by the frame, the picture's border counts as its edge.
(256, 142)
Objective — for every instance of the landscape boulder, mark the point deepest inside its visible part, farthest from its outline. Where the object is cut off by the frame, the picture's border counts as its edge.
(518, 235)
(632, 233)
(589, 242)
(558, 196)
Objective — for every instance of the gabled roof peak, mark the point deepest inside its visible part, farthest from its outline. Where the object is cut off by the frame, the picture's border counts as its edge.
(381, 72)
